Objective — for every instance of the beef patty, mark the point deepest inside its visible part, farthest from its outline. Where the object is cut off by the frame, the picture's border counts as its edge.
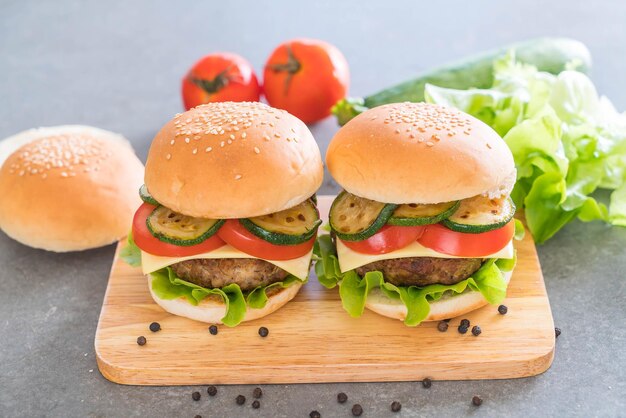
(422, 271)
(248, 273)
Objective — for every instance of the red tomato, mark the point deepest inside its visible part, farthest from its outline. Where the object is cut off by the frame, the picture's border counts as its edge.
(388, 239)
(236, 235)
(220, 77)
(441, 239)
(306, 77)
(150, 244)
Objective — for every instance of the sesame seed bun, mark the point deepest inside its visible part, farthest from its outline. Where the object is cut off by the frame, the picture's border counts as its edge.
(233, 160)
(444, 308)
(420, 153)
(68, 188)
(211, 310)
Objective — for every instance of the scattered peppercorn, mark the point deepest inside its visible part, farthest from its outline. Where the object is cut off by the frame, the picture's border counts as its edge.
(448, 320)
(240, 399)
(465, 323)
(427, 382)
(476, 330)
(141, 340)
(502, 309)
(342, 397)
(442, 326)
(462, 329)
(155, 326)
(198, 416)
(257, 393)
(256, 404)
(213, 329)
(357, 410)
(263, 332)
(477, 401)
(557, 332)
(211, 390)
(195, 396)
(315, 414)
(396, 406)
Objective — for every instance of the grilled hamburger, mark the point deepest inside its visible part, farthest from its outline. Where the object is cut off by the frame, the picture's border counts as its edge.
(424, 226)
(227, 213)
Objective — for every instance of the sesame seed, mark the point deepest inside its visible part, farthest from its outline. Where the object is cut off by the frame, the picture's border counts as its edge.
(397, 131)
(195, 151)
(168, 157)
(232, 136)
(187, 140)
(63, 174)
(430, 144)
(208, 149)
(238, 176)
(222, 144)
(257, 150)
(266, 137)
(244, 135)
(172, 142)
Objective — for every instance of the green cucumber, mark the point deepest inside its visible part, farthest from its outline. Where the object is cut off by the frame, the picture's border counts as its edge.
(481, 214)
(414, 214)
(547, 54)
(287, 227)
(178, 229)
(354, 218)
(146, 196)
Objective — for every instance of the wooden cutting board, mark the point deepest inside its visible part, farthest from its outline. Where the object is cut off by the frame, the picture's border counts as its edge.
(312, 339)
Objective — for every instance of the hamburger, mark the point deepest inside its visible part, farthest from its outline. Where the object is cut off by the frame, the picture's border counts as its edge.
(68, 188)
(229, 219)
(423, 228)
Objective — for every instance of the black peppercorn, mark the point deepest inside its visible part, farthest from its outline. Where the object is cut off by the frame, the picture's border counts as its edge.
(357, 410)
(213, 329)
(396, 406)
(211, 390)
(155, 326)
(477, 401)
(476, 330)
(502, 309)
(315, 414)
(256, 404)
(427, 383)
(557, 332)
(342, 397)
(198, 416)
(465, 323)
(462, 329)
(263, 332)
(448, 320)
(240, 399)
(141, 340)
(195, 396)
(442, 326)
(257, 393)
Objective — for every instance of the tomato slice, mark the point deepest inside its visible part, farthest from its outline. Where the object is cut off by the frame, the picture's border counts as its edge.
(236, 235)
(443, 240)
(150, 244)
(388, 239)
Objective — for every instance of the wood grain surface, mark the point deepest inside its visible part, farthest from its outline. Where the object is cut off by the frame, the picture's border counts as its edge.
(313, 340)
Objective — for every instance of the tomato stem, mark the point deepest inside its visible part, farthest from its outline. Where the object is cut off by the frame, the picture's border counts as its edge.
(292, 66)
(216, 84)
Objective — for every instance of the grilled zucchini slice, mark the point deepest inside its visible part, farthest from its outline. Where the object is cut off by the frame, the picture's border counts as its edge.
(414, 214)
(287, 227)
(178, 229)
(355, 218)
(481, 214)
(146, 196)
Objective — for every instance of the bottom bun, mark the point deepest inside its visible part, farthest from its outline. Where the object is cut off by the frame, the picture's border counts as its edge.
(444, 308)
(211, 310)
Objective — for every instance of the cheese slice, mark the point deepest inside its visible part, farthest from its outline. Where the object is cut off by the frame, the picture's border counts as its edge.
(349, 259)
(299, 267)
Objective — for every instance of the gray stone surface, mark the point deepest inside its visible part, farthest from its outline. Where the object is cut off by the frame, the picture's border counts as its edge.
(117, 65)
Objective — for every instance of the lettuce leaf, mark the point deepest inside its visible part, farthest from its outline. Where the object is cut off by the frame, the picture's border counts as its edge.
(566, 140)
(167, 285)
(131, 254)
(354, 290)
